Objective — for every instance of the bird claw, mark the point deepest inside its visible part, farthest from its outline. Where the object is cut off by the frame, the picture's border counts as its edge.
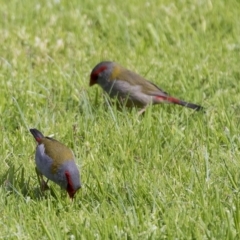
(44, 186)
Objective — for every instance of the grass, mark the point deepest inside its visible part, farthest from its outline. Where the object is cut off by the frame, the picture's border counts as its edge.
(172, 174)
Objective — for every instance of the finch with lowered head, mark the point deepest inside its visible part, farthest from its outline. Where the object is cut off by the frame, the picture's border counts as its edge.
(56, 162)
(130, 88)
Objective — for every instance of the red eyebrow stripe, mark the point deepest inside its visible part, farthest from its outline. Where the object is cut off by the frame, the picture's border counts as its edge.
(70, 188)
(99, 70)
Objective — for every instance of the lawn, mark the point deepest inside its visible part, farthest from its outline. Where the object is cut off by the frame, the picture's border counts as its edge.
(170, 174)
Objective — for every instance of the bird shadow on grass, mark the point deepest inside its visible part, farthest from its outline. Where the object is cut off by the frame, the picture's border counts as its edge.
(15, 182)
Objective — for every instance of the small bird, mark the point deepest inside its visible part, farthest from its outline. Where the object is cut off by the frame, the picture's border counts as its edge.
(131, 89)
(56, 162)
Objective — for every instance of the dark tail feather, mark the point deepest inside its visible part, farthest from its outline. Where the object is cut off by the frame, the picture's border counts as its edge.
(180, 102)
(36, 134)
(190, 105)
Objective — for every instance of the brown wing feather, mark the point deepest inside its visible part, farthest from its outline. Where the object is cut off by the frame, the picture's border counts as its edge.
(133, 78)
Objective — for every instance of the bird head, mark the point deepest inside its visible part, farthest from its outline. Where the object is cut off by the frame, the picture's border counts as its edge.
(73, 183)
(101, 73)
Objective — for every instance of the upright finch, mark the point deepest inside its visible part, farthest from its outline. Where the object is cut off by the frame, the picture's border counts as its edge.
(56, 162)
(130, 88)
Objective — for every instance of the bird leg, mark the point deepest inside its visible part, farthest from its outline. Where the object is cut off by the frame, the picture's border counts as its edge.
(42, 183)
(142, 111)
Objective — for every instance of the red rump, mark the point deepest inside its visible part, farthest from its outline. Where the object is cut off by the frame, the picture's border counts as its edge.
(38, 139)
(36, 134)
(169, 99)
